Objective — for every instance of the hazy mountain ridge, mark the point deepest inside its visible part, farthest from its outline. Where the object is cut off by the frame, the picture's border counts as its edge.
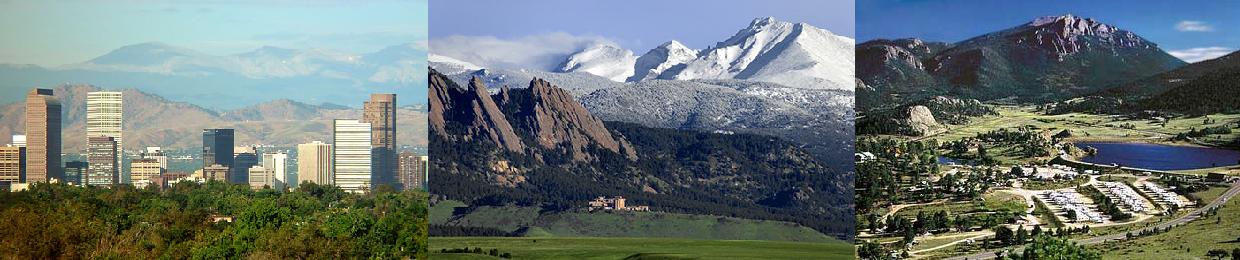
(151, 120)
(231, 81)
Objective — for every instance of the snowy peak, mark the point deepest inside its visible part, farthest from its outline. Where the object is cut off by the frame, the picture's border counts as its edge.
(604, 60)
(798, 55)
(661, 58)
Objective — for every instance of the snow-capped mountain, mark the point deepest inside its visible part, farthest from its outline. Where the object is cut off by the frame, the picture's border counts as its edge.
(604, 60)
(661, 58)
(798, 55)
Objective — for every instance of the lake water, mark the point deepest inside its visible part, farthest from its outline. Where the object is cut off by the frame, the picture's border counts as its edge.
(1160, 157)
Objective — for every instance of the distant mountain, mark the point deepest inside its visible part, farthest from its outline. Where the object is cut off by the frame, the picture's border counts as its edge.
(603, 60)
(660, 59)
(231, 81)
(537, 146)
(1199, 88)
(151, 120)
(1048, 58)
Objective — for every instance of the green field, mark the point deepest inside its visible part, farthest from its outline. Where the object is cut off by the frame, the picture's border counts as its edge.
(1091, 127)
(639, 248)
(1190, 241)
(623, 224)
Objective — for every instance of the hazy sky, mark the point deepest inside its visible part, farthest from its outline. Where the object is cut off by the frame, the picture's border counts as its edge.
(53, 33)
(637, 25)
(1189, 29)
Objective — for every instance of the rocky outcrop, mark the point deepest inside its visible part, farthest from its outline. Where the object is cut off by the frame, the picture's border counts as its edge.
(472, 110)
(555, 119)
(921, 121)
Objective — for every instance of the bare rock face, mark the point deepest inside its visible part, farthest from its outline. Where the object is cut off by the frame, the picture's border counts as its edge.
(515, 119)
(921, 121)
(473, 109)
(555, 119)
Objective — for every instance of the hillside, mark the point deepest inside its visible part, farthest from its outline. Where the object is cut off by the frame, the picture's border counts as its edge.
(151, 120)
(1047, 59)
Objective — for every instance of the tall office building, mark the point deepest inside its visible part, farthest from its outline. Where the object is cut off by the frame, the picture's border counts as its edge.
(12, 164)
(380, 112)
(144, 171)
(276, 164)
(217, 147)
(412, 169)
(351, 155)
(103, 170)
(104, 118)
(42, 136)
(243, 158)
(314, 163)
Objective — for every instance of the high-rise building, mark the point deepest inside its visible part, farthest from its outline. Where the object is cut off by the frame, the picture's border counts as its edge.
(276, 164)
(217, 172)
(259, 177)
(314, 163)
(74, 170)
(42, 136)
(103, 170)
(351, 155)
(144, 171)
(12, 164)
(19, 140)
(104, 118)
(380, 112)
(412, 169)
(217, 147)
(243, 158)
(154, 152)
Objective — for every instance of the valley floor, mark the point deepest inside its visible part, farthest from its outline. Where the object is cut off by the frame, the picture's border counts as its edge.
(637, 248)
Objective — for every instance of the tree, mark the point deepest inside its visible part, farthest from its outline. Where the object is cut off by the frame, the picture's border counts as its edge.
(1021, 235)
(1003, 235)
(1217, 253)
(1047, 247)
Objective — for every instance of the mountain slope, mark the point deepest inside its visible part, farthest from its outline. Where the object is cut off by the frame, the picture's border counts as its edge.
(603, 60)
(1048, 58)
(661, 58)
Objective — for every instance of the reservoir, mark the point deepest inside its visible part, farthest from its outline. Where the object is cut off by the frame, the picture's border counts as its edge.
(1160, 157)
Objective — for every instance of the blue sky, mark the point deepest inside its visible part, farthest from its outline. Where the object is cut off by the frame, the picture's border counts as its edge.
(1186, 28)
(637, 25)
(51, 33)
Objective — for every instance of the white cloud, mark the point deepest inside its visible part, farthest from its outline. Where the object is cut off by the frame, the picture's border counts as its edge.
(541, 52)
(1193, 26)
(1199, 54)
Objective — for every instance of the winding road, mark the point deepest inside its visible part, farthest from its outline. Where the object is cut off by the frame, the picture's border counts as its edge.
(1218, 202)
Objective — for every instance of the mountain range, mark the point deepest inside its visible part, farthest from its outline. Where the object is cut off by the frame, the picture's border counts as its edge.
(151, 120)
(772, 77)
(1049, 58)
(234, 81)
(537, 146)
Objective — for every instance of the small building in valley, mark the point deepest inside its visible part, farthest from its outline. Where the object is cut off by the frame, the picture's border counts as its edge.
(614, 203)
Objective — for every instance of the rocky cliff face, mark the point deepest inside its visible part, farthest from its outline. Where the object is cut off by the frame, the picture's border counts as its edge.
(541, 115)
(921, 121)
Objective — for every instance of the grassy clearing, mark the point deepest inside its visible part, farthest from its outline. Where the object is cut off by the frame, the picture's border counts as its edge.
(640, 248)
(442, 211)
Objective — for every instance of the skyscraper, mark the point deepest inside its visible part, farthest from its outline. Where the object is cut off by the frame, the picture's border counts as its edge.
(275, 164)
(352, 162)
(380, 112)
(217, 147)
(412, 169)
(42, 136)
(103, 170)
(243, 158)
(104, 118)
(12, 164)
(314, 163)
(144, 171)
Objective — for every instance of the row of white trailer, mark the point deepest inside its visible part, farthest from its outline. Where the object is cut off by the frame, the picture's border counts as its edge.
(1070, 201)
(1125, 196)
(1162, 195)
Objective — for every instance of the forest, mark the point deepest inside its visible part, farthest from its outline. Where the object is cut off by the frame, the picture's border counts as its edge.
(213, 220)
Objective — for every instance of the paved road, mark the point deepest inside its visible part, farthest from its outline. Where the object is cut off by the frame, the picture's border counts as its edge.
(1218, 202)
